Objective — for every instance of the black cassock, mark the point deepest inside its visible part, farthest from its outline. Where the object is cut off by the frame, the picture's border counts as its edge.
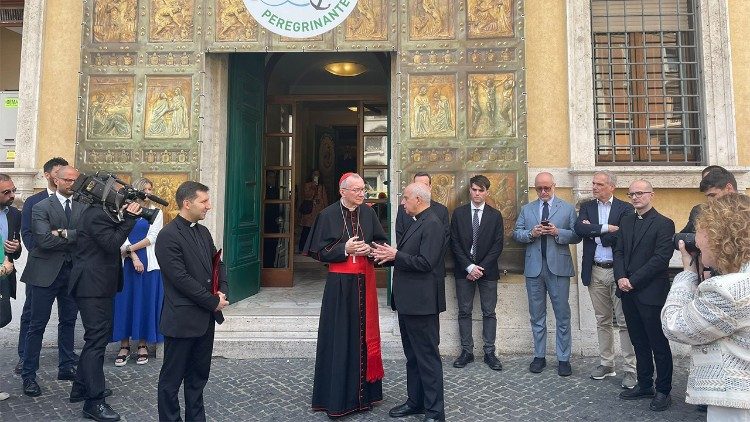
(340, 385)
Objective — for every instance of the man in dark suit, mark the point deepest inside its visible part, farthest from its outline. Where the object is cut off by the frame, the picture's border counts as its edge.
(50, 169)
(53, 222)
(477, 241)
(642, 253)
(598, 222)
(419, 299)
(95, 279)
(403, 220)
(720, 183)
(185, 251)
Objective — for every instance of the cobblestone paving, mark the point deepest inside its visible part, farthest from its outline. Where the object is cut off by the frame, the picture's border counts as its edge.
(279, 390)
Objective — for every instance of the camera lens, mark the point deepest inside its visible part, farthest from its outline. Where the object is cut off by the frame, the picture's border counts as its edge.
(689, 239)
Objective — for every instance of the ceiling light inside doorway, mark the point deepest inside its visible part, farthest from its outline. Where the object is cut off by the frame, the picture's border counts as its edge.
(345, 68)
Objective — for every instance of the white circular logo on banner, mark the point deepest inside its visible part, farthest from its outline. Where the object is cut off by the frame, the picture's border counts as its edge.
(300, 18)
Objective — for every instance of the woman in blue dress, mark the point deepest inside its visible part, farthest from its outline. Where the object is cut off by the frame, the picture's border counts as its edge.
(138, 305)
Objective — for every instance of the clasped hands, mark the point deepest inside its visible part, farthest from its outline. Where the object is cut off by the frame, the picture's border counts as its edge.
(476, 273)
(223, 302)
(357, 247)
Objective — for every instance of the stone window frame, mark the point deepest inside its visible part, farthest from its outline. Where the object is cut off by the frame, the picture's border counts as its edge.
(720, 138)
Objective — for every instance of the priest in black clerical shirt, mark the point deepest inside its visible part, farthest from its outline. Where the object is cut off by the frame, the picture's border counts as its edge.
(185, 252)
(641, 262)
(348, 362)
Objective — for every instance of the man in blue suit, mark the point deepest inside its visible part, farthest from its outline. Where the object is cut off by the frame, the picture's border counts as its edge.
(50, 169)
(598, 223)
(546, 226)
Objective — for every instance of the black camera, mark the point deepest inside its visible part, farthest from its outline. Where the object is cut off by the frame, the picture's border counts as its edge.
(689, 239)
(106, 189)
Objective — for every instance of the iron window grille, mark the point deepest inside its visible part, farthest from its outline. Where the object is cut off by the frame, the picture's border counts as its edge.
(646, 82)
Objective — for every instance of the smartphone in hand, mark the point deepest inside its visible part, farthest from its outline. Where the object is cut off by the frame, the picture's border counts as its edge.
(545, 222)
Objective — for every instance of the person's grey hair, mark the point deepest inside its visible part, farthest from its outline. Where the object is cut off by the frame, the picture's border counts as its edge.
(422, 192)
(345, 184)
(4, 177)
(611, 177)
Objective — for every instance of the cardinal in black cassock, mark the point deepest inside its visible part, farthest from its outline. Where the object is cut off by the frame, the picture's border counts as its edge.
(348, 361)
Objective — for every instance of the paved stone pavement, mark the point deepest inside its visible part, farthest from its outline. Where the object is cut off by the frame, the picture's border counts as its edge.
(279, 390)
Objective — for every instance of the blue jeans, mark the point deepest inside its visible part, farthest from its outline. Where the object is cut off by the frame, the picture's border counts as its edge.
(558, 289)
(42, 299)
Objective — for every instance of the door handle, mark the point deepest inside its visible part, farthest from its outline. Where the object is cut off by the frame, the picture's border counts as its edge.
(250, 183)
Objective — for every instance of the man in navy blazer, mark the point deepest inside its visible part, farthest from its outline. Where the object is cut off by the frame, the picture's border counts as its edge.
(546, 227)
(598, 223)
(50, 169)
(477, 242)
(10, 225)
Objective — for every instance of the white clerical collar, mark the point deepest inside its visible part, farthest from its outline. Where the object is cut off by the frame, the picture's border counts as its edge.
(193, 224)
(344, 205)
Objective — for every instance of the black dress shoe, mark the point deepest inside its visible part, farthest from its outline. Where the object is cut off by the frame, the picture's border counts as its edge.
(537, 365)
(463, 360)
(76, 396)
(68, 374)
(19, 367)
(564, 369)
(493, 362)
(100, 412)
(31, 388)
(404, 410)
(637, 393)
(660, 402)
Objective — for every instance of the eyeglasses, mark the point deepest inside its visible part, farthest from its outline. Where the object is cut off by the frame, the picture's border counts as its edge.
(66, 180)
(638, 194)
(7, 191)
(543, 188)
(357, 191)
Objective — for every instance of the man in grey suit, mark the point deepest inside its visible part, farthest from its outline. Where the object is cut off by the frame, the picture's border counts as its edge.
(53, 222)
(546, 226)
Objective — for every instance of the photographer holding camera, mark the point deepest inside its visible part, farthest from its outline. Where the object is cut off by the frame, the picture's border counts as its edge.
(713, 316)
(95, 279)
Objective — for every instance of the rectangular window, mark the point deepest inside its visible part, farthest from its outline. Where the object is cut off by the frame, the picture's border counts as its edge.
(646, 82)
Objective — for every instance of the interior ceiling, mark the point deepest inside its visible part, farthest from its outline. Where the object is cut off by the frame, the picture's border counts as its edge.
(299, 73)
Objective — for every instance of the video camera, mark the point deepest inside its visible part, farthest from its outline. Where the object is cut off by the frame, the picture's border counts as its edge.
(106, 189)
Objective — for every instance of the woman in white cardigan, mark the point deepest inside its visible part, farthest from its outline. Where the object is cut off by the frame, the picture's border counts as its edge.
(138, 306)
(713, 316)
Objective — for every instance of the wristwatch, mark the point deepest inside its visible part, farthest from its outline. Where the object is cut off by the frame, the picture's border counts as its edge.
(127, 250)
(60, 232)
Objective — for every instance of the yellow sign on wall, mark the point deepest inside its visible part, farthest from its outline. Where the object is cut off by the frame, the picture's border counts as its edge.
(11, 103)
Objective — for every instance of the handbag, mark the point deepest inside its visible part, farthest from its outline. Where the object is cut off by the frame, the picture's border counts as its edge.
(6, 314)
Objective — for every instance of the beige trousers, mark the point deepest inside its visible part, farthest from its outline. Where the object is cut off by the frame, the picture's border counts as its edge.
(602, 291)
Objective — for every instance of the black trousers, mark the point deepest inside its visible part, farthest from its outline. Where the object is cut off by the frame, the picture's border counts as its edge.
(23, 327)
(42, 299)
(465, 291)
(96, 315)
(650, 344)
(188, 360)
(420, 335)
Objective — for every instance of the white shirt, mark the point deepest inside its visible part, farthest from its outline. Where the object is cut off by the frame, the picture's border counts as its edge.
(62, 200)
(50, 192)
(603, 253)
(479, 216)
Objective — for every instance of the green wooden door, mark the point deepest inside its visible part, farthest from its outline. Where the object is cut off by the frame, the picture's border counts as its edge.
(244, 153)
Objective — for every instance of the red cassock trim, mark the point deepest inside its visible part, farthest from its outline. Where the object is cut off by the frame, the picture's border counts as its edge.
(372, 320)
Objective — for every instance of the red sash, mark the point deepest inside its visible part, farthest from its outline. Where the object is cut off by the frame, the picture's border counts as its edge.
(372, 320)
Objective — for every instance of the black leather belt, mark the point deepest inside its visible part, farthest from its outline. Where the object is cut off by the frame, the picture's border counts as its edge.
(604, 264)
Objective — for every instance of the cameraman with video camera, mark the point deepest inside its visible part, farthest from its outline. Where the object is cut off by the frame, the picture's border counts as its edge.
(713, 315)
(95, 279)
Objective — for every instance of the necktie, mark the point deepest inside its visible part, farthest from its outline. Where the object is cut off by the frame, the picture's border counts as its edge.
(68, 211)
(474, 233)
(545, 216)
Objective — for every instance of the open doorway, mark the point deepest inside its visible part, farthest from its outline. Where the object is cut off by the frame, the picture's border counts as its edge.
(317, 123)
